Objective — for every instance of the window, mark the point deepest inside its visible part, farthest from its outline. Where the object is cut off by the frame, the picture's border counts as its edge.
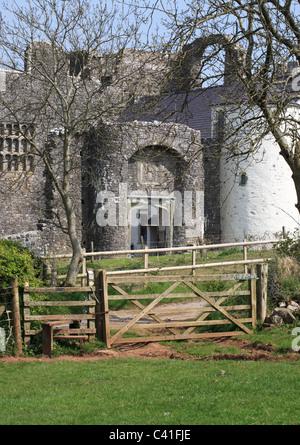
(79, 64)
(23, 145)
(30, 165)
(209, 70)
(15, 163)
(8, 144)
(8, 162)
(243, 179)
(16, 150)
(219, 126)
(15, 145)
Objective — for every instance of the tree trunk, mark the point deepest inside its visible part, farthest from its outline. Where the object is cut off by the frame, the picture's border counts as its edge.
(296, 179)
(75, 264)
(77, 258)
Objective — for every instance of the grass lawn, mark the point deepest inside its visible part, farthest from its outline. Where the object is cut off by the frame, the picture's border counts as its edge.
(150, 392)
(133, 391)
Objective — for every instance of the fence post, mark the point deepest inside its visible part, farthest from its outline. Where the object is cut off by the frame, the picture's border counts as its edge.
(92, 250)
(253, 296)
(146, 258)
(262, 291)
(245, 252)
(26, 313)
(16, 316)
(84, 272)
(53, 282)
(102, 320)
(47, 273)
(194, 252)
(91, 310)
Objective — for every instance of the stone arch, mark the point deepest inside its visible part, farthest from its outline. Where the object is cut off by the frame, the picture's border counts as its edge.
(193, 53)
(155, 173)
(156, 167)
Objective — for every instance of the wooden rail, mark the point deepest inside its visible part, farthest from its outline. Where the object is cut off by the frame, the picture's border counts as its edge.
(188, 267)
(147, 252)
(164, 250)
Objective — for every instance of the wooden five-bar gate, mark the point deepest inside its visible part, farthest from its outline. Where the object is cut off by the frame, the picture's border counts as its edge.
(207, 311)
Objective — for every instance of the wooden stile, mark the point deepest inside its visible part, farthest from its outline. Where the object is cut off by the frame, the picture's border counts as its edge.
(67, 331)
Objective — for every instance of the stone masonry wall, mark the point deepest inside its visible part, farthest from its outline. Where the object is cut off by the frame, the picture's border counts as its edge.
(114, 149)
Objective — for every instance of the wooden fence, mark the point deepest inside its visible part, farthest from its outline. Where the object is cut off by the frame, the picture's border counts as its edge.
(160, 321)
(146, 253)
(151, 318)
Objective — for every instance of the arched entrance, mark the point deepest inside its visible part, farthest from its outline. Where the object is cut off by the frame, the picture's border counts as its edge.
(156, 172)
(151, 221)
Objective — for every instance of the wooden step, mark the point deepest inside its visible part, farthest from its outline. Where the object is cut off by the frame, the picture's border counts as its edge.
(72, 337)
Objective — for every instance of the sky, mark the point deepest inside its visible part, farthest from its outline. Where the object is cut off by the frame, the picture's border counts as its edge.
(181, 3)
(144, 36)
(122, 4)
(156, 23)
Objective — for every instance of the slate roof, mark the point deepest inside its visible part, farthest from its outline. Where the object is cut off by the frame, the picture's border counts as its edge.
(192, 108)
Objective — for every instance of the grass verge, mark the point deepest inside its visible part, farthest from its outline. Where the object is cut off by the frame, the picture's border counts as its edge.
(149, 392)
(277, 341)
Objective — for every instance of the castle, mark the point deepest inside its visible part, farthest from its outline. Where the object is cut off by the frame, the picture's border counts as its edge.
(149, 166)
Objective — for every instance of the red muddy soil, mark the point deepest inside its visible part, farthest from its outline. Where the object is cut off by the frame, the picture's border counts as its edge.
(249, 351)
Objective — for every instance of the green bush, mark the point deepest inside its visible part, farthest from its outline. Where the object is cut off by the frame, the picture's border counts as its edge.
(16, 260)
(284, 269)
(290, 246)
(284, 279)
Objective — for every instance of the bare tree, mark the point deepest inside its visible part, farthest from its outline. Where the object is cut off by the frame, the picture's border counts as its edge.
(261, 40)
(72, 51)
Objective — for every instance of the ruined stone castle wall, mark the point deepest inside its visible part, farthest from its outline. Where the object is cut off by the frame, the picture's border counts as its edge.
(140, 159)
(122, 159)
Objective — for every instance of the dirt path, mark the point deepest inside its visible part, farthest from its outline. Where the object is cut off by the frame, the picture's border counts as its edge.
(249, 351)
(167, 312)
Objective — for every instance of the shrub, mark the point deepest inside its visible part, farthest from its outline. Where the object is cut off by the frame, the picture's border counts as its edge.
(284, 270)
(16, 260)
(284, 279)
(290, 246)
